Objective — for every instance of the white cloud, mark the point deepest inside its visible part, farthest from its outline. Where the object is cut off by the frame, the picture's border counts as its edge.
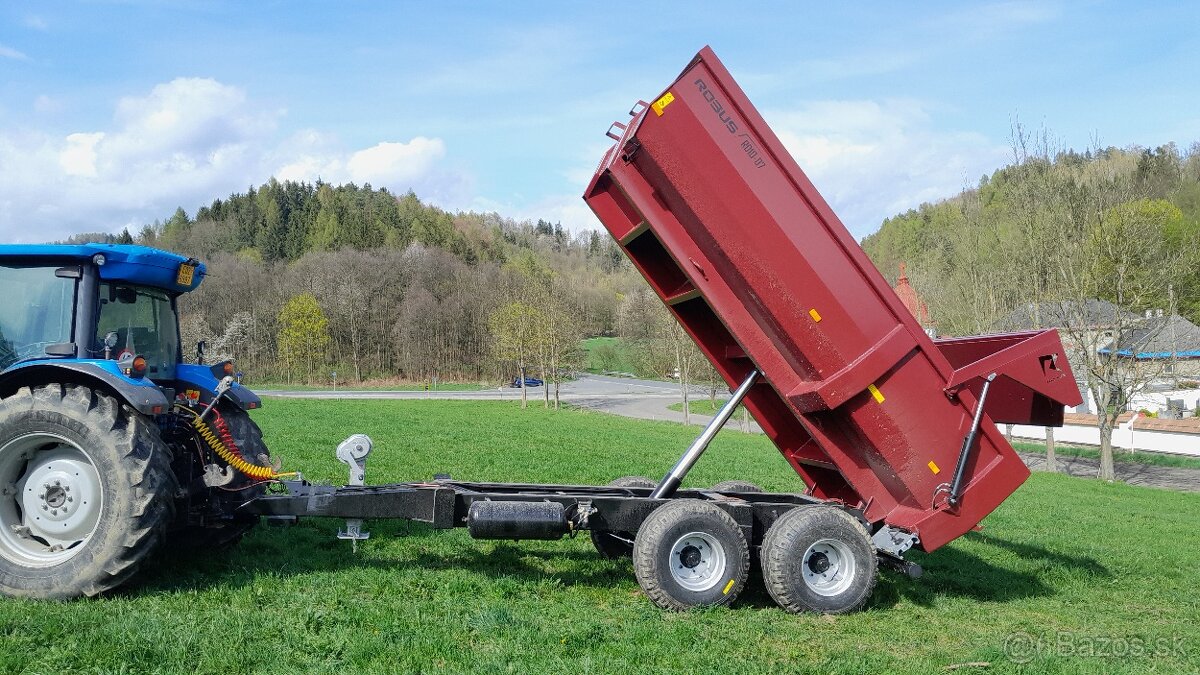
(78, 158)
(395, 163)
(183, 143)
(874, 159)
(10, 53)
(35, 22)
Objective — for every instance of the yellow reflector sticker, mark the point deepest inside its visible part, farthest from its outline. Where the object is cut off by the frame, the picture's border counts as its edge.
(934, 467)
(816, 316)
(728, 586)
(185, 275)
(875, 392)
(663, 102)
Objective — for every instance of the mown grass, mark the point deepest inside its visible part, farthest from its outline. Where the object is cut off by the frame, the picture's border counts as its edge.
(703, 406)
(1064, 560)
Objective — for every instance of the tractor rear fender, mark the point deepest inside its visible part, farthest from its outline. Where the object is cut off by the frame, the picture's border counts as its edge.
(204, 380)
(140, 394)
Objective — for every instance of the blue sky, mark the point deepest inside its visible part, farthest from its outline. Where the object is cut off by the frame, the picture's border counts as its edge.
(114, 113)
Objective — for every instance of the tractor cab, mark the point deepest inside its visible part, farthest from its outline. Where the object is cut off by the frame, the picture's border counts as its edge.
(106, 313)
(93, 302)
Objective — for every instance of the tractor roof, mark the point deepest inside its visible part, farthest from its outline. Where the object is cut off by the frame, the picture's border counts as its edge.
(122, 262)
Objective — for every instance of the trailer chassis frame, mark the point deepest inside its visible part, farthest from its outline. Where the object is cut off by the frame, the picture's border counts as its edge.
(446, 503)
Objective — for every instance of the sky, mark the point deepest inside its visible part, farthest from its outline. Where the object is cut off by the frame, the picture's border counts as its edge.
(113, 114)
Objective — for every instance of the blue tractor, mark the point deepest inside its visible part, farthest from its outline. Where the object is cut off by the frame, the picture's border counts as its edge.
(109, 443)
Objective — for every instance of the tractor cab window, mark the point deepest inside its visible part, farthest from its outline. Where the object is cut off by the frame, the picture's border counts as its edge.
(144, 323)
(36, 311)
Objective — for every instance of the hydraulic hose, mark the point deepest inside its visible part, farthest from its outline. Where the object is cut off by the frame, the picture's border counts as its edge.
(221, 442)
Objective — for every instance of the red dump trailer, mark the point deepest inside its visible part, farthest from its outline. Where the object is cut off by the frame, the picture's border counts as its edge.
(892, 432)
(870, 411)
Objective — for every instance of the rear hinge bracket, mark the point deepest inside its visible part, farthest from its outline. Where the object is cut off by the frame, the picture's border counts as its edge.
(894, 540)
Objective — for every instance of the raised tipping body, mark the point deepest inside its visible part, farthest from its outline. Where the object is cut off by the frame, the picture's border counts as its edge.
(745, 252)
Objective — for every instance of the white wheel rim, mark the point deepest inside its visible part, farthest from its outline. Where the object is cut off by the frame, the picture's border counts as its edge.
(52, 499)
(697, 561)
(828, 567)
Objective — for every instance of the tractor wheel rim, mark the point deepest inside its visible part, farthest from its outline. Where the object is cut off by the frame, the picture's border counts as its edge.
(828, 567)
(52, 499)
(697, 561)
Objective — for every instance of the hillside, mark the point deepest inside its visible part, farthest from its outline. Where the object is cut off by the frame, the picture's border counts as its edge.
(401, 288)
(1054, 224)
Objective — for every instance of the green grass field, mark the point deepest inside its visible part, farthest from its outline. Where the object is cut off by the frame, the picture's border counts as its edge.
(1104, 575)
(703, 406)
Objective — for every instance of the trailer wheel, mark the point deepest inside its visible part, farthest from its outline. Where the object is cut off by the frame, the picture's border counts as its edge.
(818, 559)
(690, 553)
(735, 486)
(87, 492)
(617, 545)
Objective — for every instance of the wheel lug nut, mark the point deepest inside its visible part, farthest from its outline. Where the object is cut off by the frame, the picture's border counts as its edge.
(54, 512)
(45, 508)
(42, 496)
(70, 499)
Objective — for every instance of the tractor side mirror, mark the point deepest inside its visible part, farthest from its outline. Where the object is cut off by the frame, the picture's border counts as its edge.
(200, 346)
(110, 340)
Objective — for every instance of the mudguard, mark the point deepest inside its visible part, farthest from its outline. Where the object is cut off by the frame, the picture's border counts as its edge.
(142, 395)
(203, 380)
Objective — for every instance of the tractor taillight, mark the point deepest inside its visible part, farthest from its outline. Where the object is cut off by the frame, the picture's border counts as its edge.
(138, 367)
(228, 367)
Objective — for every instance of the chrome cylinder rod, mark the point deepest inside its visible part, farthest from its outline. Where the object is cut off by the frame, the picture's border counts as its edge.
(670, 483)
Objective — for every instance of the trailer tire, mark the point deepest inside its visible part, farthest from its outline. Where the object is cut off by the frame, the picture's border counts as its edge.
(616, 545)
(690, 553)
(818, 559)
(93, 472)
(735, 486)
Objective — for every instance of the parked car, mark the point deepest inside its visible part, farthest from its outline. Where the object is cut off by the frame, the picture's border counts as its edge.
(529, 382)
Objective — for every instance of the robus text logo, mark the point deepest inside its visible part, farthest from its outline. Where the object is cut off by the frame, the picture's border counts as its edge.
(717, 107)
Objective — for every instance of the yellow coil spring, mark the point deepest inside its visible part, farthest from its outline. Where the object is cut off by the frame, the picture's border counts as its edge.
(231, 458)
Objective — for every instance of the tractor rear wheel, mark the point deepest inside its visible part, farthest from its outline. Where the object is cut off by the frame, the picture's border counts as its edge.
(818, 559)
(617, 545)
(87, 491)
